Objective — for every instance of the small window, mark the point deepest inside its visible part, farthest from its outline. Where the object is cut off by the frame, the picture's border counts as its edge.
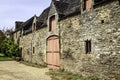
(18, 41)
(88, 46)
(20, 33)
(87, 4)
(119, 2)
(52, 23)
(20, 52)
(102, 21)
(33, 49)
(28, 52)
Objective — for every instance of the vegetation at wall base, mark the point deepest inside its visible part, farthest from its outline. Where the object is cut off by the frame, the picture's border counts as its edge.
(5, 58)
(63, 75)
(7, 48)
(33, 64)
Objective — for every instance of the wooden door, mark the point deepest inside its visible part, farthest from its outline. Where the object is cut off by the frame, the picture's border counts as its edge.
(53, 57)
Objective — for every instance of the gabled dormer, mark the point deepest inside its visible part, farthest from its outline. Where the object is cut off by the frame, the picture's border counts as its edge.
(34, 23)
(53, 10)
(52, 17)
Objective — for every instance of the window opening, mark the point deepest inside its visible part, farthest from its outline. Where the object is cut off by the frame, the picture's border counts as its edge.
(33, 49)
(52, 23)
(102, 21)
(88, 46)
(87, 4)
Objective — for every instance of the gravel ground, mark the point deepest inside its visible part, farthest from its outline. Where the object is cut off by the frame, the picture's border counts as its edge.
(12, 70)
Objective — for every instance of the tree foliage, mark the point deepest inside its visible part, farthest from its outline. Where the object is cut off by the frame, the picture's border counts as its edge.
(9, 48)
(2, 36)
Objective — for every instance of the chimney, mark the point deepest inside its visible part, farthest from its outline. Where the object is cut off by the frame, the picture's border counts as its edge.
(62, 0)
(18, 24)
(53, 0)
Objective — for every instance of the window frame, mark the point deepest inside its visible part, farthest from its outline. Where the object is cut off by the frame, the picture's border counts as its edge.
(119, 2)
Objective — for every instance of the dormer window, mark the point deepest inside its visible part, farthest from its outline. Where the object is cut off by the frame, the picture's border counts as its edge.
(119, 2)
(87, 4)
(52, 23)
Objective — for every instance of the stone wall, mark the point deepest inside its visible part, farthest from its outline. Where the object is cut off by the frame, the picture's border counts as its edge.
(16, 37)
(101, 25)
(36, 39)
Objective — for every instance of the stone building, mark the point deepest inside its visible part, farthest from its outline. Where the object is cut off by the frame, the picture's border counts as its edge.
(80, 36)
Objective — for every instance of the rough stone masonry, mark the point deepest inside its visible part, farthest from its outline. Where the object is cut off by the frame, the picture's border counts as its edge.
(89, 39)
(102, 27)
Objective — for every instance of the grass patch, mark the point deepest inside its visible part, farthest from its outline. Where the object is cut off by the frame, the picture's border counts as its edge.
(4, 58)
(33, 64)
(63, 75)
(2, 55)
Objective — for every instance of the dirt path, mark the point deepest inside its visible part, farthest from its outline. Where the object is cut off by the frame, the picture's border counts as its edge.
(12, 70)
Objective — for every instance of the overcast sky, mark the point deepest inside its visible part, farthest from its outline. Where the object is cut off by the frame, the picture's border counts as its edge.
(19, 10)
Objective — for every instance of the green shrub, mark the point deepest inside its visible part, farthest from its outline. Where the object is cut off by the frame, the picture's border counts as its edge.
(9, 48)
(2, 36)
(2, 55)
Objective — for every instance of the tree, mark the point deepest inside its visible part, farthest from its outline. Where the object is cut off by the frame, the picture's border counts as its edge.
(9, 48)
(2, 36)
(8, 33)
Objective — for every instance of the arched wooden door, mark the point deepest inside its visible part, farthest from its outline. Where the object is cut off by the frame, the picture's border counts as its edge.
(53, 57)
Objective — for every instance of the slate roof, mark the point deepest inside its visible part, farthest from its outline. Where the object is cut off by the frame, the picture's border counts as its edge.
(98, 2)
(26, 24)
(73, 7)
(42, 19)
(67, 7)
(63, 7)
(44, 15)
(18, 24)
